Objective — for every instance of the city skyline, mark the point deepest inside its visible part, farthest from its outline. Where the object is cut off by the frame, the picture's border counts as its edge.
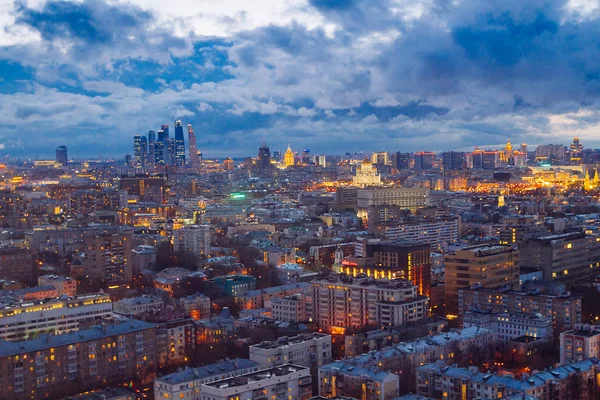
(428, 75)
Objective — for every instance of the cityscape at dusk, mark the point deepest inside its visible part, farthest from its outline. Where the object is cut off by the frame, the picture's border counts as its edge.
(299, 200)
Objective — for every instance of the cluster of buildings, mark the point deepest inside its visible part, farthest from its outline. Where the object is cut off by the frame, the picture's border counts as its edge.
(290, 276)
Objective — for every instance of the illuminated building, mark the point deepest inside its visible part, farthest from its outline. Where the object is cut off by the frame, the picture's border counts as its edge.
(401, 160)
(570, 381)
(580, 343)
(342, 381)
(400, 360)
(438, 232)
(47, 367)
(308, 350)
(197, 306)
(22, 320)
(306, 156)
(138, 152)
(341, 303)
(549, 152)
(108, 256)
(366, 175)
(61, 155)
(187, 384)
(295, 308)
(575, 152)
(381, 158)
(150, 189)
(566, 257)
(288, 158)
(228, 164)
(406, 198)
(424, 160)
(292, 382)
(510, 326)
(179, 144)
(491, 266)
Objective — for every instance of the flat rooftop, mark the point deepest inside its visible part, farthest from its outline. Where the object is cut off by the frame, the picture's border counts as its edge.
(257, 376)
(286, 341)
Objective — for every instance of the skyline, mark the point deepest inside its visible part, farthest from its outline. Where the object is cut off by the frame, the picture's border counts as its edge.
(429, 76)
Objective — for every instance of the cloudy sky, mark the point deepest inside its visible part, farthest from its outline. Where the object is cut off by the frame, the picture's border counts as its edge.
(329, 75)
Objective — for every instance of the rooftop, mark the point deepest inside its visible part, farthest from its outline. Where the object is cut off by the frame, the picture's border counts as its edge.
(207, 371)
(256, 376)
(286, 341)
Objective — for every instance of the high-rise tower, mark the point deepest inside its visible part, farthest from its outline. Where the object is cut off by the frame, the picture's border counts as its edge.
(61, 155)
(576, 152)
(288, 158)
(179, 144)
(264, 159)
(151, 148)
(194, 159)
(137, 151)
(144, 150)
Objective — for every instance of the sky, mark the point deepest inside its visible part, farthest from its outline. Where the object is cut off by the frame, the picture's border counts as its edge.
(333, 76)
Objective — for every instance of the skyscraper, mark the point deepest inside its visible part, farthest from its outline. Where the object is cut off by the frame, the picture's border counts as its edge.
(151, 148)
(162, 146)
(194, 159)
(452, 160)
(264, 159)
(288, 158)
(576, 152)
(179, 144)
(137, 151)
(144, 150)
(61, 155)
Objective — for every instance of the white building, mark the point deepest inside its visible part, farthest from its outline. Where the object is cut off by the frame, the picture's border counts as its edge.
(290, 382)
(406, 198)
(366, 175)
(138, 305)
(21, 320)
(509, 326)
(308, 350)
(62, 284)
(340, 303)
(187, 384)
(580, 343)
(193, 239)
(438, 232)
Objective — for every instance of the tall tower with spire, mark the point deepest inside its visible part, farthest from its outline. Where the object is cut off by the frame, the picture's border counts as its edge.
(288, 158)
(595, 181)
(587, 185)
(194, 159)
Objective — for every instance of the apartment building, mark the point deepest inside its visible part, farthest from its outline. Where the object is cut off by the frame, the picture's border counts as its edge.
(56, 366)
(357, 382)
(566, 257)
(564, 308)
(438, 233)
(62, 284)
(341, 302)
(187, 384)
(17, 264)
(403, 358)
(192, 239)
(22, 320)
(490, 266)
(509, 326)
(259, 298)
(196, 306)
(108, 256)
(308, 350)
(571, 381)
(580, 343)
(296, 308)
(291, 382)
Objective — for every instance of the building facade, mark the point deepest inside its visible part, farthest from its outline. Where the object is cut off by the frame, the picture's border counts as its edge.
(309, 350)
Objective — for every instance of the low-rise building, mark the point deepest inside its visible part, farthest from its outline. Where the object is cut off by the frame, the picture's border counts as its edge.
(25, 319)
(308, 350)
(197, 306)
(292, 382)
(580, 343)
(138, 305)
(63, 284)
(187, 384)
(509, 326)
(355, 381)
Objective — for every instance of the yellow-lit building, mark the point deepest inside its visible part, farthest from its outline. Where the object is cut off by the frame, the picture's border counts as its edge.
(288, 158)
